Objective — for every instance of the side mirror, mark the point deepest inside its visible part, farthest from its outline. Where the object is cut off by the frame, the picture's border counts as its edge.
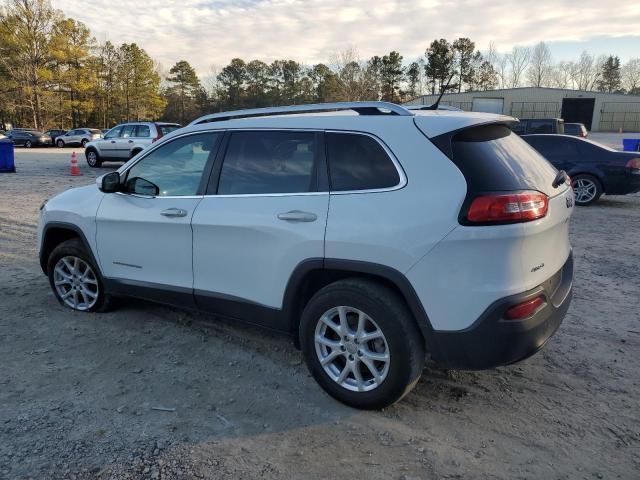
(110, 183)
(141, 186)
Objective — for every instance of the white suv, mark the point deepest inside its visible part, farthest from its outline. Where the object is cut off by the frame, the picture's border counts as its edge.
(372, 234)
(125, 141)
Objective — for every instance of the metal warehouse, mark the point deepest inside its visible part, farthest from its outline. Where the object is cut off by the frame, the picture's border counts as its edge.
(599, 111)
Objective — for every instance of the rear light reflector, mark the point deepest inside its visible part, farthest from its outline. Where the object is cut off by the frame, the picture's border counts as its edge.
(634, 164)
(510, 208)
(524, 309)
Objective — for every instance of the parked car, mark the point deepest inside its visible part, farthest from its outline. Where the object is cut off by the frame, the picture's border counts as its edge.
(594, 169)
(308, 224)
(576, 129)
(527, 126)
(55, 133)
(29, 138)
(125, 141)
(78, 137)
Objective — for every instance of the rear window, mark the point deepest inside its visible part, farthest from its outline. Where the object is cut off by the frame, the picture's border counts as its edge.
(492, 158)
(572, 129)
(358, 162)
(94, 130)
(167, 129)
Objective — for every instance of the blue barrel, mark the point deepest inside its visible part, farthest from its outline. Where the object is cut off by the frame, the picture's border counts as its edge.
(6, 156)
(631, 144)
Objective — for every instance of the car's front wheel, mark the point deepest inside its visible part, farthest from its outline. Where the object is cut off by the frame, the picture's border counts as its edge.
(75, 279)
(28, 144)
(587, 189)
(361, 343)
(59, 143)
(84, 142)
(93, 159)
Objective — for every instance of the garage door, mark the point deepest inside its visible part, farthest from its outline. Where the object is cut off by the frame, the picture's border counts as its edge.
(488, 105)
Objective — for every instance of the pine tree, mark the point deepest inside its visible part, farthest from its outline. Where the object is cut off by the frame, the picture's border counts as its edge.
(186, 86)
(610, 75)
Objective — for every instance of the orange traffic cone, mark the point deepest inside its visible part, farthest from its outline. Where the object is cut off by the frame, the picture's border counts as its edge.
(74, 169)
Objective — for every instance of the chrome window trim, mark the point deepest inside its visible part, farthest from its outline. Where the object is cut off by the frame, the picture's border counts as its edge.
(401, 174)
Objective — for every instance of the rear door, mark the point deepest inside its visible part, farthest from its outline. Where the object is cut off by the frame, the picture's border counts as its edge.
(264, 214)
(144, 238)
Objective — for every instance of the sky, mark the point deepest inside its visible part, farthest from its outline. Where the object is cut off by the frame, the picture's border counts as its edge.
(212, 32)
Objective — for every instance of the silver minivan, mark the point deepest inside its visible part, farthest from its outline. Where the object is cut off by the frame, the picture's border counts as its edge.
(125, 141)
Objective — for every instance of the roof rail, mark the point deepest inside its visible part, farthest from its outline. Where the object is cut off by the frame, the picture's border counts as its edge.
(363, 108)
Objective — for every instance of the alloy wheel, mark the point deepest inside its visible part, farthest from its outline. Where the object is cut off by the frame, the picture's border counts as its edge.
(585, 190)
(92, 158)
(352, 349)
(76, 283)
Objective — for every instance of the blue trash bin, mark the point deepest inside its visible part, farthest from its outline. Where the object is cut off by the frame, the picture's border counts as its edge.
(631, 144)
(6, 156)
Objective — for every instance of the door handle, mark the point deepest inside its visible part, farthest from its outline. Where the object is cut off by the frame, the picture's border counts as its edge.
(298, 216)
(174, 212)
(113, 141)
(130, 141)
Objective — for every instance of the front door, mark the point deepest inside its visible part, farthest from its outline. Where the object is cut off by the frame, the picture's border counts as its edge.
(267, 214)
(144, 233)
(107, 145)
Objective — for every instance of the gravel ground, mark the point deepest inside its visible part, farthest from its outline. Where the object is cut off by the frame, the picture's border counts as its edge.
(153, 392)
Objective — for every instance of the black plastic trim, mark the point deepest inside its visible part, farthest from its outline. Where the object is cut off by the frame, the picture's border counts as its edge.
(493, 341)
(42, 254)
(159, 293)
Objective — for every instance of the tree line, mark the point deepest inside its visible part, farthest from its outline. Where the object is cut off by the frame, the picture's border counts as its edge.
(53, 74)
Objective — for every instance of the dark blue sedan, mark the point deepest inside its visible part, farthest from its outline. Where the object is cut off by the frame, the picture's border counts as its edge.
(594, 168)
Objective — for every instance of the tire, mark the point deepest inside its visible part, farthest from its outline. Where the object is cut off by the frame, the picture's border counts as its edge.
(385, 312)
(93, 159)
(86, 290)
(134, 153)
(28, 144)
(59, 143)
(84, 142)
(587, 189)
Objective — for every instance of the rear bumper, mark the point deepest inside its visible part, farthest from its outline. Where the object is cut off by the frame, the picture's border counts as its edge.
(493, 341)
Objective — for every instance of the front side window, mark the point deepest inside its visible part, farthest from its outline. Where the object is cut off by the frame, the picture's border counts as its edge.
(269, 162)
(174, 168)
(114, 132)
(358, 162)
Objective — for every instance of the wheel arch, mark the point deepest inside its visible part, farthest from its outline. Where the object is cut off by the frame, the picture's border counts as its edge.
(312, 275)
(592, 173)
(54, 233)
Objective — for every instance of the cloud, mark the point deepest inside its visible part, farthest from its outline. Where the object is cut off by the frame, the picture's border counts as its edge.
(211, 32)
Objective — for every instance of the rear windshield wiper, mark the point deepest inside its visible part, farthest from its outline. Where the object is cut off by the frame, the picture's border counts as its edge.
(561, 178)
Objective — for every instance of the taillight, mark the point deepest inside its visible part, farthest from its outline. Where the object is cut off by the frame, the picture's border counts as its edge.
(524, 309)
(158, 135)
(634, 164)
(508, 208)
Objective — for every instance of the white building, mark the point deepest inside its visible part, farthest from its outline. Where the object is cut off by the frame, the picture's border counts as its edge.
(599, 111)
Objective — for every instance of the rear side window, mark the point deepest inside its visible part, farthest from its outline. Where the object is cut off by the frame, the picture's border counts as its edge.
(128, 131)
(269, 162)
(143, 131)
(540, 126)
(167, 129)
(358, 162)
(572, 129)
(492, 158)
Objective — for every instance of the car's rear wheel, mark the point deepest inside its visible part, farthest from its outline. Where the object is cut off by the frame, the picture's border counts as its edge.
(587, 189)
(93, 159)
(361, 343)
(28, 144)
(75, 279)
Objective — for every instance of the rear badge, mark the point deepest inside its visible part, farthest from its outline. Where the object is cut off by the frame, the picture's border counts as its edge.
(537, 267)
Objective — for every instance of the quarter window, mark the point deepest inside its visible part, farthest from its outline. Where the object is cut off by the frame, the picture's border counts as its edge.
(269, 162)
(175, 168)
(358, 162)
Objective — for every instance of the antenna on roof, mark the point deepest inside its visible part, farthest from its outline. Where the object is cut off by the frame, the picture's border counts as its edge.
(444, 89)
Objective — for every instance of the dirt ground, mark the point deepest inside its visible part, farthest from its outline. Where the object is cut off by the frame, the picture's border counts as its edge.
(152, 392)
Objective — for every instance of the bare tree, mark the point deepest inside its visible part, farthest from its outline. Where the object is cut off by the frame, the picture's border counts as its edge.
(586, 71)
(541, 66)
(518, 61)
(499, 62)
(631, 76)
(561, 75)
